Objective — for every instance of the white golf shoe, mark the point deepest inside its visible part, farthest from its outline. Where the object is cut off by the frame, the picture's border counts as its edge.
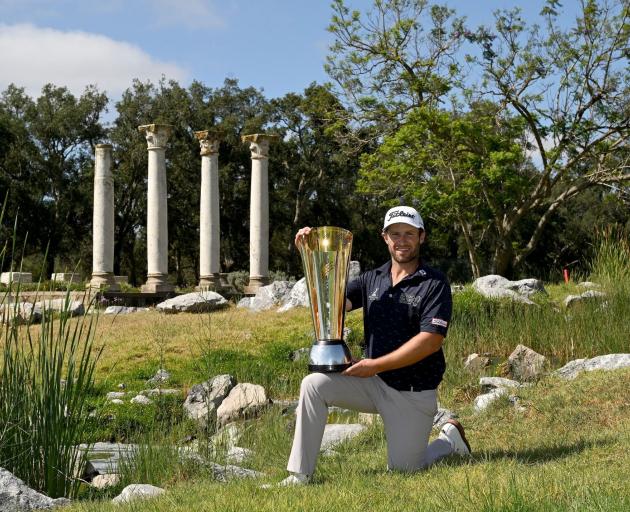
(453, 432)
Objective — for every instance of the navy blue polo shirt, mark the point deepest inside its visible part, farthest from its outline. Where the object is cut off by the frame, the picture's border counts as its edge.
(392, 315)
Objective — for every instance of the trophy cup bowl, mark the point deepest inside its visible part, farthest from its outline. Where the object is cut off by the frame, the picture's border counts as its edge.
(325, 253)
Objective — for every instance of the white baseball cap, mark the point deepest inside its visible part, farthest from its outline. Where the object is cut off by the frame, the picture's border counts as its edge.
(404, 214)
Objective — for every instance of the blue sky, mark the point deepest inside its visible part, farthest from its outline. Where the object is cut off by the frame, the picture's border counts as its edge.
(276, 45)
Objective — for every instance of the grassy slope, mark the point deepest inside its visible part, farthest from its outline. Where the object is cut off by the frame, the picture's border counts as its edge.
(568, 451)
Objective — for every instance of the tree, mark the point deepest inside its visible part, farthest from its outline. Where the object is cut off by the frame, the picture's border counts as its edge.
(571, 88)
(461, 167)
(398, 56)
(60, 134)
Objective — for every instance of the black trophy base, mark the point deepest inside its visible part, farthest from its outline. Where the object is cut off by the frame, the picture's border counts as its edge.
(327, 368)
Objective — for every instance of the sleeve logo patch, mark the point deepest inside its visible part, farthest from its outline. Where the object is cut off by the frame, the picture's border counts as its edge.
(440, 322)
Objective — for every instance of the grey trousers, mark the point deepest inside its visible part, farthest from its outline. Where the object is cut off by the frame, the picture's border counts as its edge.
(407, 417)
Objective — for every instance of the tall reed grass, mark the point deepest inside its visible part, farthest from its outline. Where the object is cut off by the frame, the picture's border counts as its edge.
(45, 376)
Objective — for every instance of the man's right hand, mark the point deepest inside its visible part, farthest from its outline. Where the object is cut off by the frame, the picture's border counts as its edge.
(302, 233)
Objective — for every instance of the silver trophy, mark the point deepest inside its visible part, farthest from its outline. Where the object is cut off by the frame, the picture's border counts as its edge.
(325, 253)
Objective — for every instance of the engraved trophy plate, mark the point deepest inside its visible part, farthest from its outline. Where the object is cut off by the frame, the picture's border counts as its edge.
(325, 253)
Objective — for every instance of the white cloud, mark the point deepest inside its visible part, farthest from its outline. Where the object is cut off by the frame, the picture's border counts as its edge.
(31, 56)
(192, 14)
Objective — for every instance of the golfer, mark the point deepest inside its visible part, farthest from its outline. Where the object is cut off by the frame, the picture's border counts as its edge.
(406, 312)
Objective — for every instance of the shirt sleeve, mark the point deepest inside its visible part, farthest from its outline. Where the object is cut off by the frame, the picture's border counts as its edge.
(354, 292)
(437, 309)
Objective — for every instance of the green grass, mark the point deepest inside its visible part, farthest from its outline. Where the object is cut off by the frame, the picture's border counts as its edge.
(568, 451)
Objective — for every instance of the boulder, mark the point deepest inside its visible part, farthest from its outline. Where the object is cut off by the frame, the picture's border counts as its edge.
(475, 363)
(297, 297)
(71, 307)
(337, 433)
(203, 399)
(104, 481)
(494, 286)
(490, 383)
(244, 401)
(195, 302)
(607, 362)
(525, 364)
(238, 455)
(20, 313)
(16, 496)
(267, 297)
(137, 491)
(588, 295)
(483, 401)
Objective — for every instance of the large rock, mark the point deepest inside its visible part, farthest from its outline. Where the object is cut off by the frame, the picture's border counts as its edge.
(203, 399)
(297, 297)
(71, 307)
(490, 383)
(16, 496)
(495, 286)
(195, 302)
(608, 362)
(138, 491)
(337, 433)
(104, 481)
(244, 401)
(20, 313)
(526, 364)
(588, 295)
(475, 363)
(267, 297)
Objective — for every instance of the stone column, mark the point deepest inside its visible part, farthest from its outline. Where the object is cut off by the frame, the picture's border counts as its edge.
(103, 221)
(259, 212)
(157, 219)
(209, 228)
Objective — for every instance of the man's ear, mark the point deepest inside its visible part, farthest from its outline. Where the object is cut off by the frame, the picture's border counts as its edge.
(422, 236)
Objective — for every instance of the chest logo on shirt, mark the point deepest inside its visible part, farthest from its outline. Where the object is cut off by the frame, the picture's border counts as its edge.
(406, 298)
(374, 294)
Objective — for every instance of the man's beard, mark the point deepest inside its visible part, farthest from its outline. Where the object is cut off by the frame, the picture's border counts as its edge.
(413, 255)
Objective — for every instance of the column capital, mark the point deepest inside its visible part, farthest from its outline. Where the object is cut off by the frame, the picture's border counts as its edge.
(209, 141)
(259, 144)
(156, 134)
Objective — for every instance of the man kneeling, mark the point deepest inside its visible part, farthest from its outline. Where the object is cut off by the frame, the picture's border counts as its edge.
(406, 311)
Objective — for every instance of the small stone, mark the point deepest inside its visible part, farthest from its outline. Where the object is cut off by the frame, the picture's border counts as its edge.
(483, 401)
(337, 433)
(141, 400)
(160, 377)
(238, 455)
(489, 383)
(121, 386)
(116, 401)
(112, 395)
(301, 354)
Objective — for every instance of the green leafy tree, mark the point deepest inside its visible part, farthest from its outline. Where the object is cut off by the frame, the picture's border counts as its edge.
(571, 88)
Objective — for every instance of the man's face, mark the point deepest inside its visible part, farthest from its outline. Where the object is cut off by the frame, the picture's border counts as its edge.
(403, 242)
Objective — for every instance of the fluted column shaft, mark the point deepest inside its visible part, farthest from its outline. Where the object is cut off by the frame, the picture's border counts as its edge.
(157, 218)
(103, 220)
(209, 224)
(259, 212)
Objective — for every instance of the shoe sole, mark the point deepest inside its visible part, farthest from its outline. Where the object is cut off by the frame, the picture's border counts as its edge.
(460, 429)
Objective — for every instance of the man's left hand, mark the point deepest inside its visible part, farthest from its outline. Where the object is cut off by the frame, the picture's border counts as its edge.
(362, 368)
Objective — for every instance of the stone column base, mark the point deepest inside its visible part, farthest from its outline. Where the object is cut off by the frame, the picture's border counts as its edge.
(156, 283)
(210, 282)
(255, 282)
(103, 280)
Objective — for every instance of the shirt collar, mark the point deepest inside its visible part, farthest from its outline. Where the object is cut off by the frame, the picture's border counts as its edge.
(387, 268)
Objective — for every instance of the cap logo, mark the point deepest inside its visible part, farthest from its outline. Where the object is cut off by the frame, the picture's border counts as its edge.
(400, 213)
